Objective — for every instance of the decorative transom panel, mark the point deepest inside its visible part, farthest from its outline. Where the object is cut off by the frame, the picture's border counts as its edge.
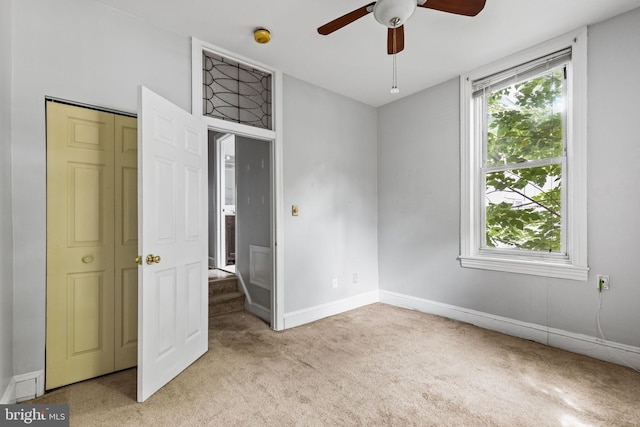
(236, 92)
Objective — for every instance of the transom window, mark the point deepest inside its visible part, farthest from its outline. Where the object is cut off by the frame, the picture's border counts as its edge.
(236, 92)
(524, 163)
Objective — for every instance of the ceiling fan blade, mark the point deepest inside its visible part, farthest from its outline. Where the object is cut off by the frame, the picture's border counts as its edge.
(459, 7)
(399, 42)
(340, 22)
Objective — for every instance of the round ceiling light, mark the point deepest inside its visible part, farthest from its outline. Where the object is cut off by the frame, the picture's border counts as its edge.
(393, 13)
(261, 35)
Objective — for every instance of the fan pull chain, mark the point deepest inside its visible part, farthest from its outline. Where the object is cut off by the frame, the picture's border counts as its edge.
(394, 85)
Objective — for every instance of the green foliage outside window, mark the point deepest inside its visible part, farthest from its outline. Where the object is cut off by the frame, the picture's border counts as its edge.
(523, 201)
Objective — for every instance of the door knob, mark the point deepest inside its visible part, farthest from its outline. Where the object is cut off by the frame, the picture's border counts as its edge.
(87, 259)
(138, 260)
(153, 258)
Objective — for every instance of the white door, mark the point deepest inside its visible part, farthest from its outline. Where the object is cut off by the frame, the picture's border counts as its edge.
(225, 194)
(172, 224)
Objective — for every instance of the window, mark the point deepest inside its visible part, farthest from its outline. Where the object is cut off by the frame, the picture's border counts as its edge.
(236, 92)
(523, 162)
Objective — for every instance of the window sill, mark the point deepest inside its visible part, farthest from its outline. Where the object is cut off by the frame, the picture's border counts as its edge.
(534, 267)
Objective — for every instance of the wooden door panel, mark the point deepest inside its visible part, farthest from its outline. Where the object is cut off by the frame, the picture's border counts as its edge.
(126, 319)
(86, 311)
(89, 131)
(129, 212)
(193, 203)
(129, 303)
(165, 307)
(195, 312)
(163, 221)
(86, 189)
(126, 242)
(172, 224)
(80, 249)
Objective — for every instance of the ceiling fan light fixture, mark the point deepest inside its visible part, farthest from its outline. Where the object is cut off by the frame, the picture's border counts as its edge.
(394, 13)
(261, 35)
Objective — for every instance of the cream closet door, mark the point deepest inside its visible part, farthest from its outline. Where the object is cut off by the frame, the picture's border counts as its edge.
(126, 242)
(88, 281)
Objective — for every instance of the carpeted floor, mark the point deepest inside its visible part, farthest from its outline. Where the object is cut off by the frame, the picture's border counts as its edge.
(376, 366)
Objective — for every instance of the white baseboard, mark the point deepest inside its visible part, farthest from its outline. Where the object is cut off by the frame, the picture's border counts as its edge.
(597, 348)
(252, 307)
(9, 396)
(259, 310)
(29, 385)
(308, 315)
(24, 387)
(244, 287)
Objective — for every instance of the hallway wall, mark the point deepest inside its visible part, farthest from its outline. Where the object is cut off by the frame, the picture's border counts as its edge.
(253, 209)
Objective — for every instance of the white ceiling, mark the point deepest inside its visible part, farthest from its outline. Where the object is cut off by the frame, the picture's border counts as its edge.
(353, 60)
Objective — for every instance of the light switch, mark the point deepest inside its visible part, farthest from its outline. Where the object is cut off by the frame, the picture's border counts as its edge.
(294, 210)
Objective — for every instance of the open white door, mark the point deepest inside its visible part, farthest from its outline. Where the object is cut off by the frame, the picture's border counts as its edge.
(225, 194)
(172, 231)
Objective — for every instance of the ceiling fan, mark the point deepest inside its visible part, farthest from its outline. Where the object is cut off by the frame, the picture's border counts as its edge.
(394, 13)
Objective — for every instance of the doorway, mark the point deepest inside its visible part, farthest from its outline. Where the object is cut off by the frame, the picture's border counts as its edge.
(241, 215)
(222, 213)
(206, 66)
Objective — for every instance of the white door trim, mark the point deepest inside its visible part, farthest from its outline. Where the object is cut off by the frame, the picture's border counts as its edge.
(220, 238)
(277, 150)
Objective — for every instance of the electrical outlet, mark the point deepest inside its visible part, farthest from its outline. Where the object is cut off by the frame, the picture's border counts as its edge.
(334, 282)
(355, 278)
(603, 282)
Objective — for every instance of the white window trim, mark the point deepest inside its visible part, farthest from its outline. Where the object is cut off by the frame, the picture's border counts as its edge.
(197, 49)
(574, 266)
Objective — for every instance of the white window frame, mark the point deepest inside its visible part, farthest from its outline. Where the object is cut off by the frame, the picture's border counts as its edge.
(573, 265)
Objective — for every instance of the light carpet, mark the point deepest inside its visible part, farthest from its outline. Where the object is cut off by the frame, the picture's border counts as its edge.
(378, 366)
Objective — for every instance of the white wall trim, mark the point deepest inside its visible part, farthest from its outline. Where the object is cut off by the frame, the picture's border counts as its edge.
(597, 348)
(24, 387)
(9, 395)
(260, 266)
(535, 268)
(244, 287)
(311, 314)
(259, 310)
(620, 354)
(252, 307)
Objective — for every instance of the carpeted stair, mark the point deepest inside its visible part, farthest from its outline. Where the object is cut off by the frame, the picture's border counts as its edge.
(224, 296)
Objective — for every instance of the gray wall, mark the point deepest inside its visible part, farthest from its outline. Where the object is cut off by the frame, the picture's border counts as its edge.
(614, 170)
(330, 172)
(253, 208)
(99, 56)
(355, 195)
(6, 223)
(419, 206)
(94, 55)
